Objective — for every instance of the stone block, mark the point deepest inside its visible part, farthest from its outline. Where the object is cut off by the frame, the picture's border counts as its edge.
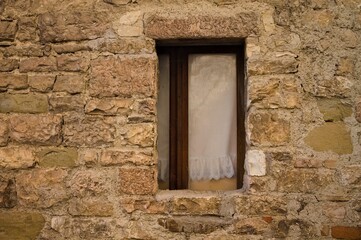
(334, 212)
(23, 103)
(345, 66)
(268, 129)
(278, 64)
(90, 207)
(307, 163)
(142, 135)
(57, 157)
(69, 83)
(16, 157)
(129, 205)
(127, 46)
(41, 188)
(61, 103)
(41, 83)
(358, 111)
(122, 157)
(89, 131)
(333, 109)
(346, 232)
(89, 157)
(130, 24)
(27, 29)
(330, 136)
(71, 47)
(8, 64)
(72, 26)
(72, 63)
(21, 225)
(35, 64)
(251, 226)
(195, 206)
(261, 205)
(161, 25)
(336, 87)
(7, 30)
(36, 129)
(4, 132)
(31, 50)
(139, 181)
(8, 195)
(109, 106)
(351, 175)
(319, 20)
(13, 81)
(125, 77)
(255, 164)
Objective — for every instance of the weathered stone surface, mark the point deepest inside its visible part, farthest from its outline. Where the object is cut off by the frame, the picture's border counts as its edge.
(184, 25)
(195, 206)
(91, 207)
(351, 176)
(4, 132)
(42, 64)
(358, 111)
(31, 50)
(274, 91)
(253, 226)
(256, 205)
(16, 157)
(345, 66)
(139, 134)
(89, 131)
(91, 183)
(8, 196)
(8, 30)
(13, 81)
(72, 26)
(69, 83)
(334, 212)
(279, 64)
(36, 129)
(41, 188)
(269, 129)
(138, 181)
(308, 163)
(8, 64)
(279, 156)
(145, 205)
(57, 157)
(121, 157)
(109, 106)
(336, 87)
(317, 19)
(41, 83)
(23, 103)
(27, 29)
(114, 76)
(333, 109)
(330, 136)
(127, 46)
(345, 232)
(117, 2)
(202, 225)
(72, 63)
(61, 103)
(130, 24)
(89, 157)
(21, 225)
(293, 228)
(255, 163)
(70, 47)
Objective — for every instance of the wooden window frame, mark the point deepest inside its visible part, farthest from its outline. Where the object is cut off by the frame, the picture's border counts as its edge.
(178, 127)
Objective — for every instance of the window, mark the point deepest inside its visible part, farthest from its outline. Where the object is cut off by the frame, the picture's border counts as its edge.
(201, 113)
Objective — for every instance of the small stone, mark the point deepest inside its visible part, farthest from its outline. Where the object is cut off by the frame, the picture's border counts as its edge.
(71, 47)
(330, 137)
(8, 195)
(71, 63)
(69, 83)
(60, 103)
(117, 157)
(16, 157)
(27, 29)
(13, 81)
(89, 157)
(318, 20)
(332, 164)
(307, 163)
(334, 212)
(23, 103)
(251, 226)
(36, 129)
(351, 175)
(7, 30)
(333, 109)
(260, 205)
(345, 66)
(273, 65)
(358, 111)
(8, 64)
(91, 207)
(345, 232)
(335, 87)
(4, 132)
(41, 83)
(130, 24)
(21, 225)
(127, 46)
(42, 64)
(325, 230)
(108, 106)
(195, 206)
(57, 157)
(139, 134)
(138, 181)
(255, 164)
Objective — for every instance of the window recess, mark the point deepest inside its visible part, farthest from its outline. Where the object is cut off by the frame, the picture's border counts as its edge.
(201, 114)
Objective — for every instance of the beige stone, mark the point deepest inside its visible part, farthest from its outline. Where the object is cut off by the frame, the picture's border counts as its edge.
(21, 225)
(91, 207)
(108, 106)
(16, 157)
(31, 50)
(69, 83)
(307, 163)
(70, 47)
(4, 132)
(255, 225)
(127, 45)
(42, 64)
(195, 206)
(36, 129)
(351, 175)
(269, 129)
(7, 30)
(318, 19)
(333, 109)
(256, 205)
(89, 131)
(119, 157)
(145, 205)
(139, 181)
(118, 2)
(113, 76)
(89, 157)
(57, 157)
(8, 64)
(23, 103)
(41, 188)
(334, 212)
(139, 134)
(41, 83)
(61, 103)
(345, 66)
(27, 29)
(330, 136)
(72, 63)
(335, 87)
(130, 24)
(13, 81)
(277, 64)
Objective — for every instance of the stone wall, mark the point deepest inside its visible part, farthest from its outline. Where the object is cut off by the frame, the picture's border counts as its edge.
(78, 87)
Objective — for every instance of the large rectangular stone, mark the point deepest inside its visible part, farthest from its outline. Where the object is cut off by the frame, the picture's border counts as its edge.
(115, 76)
(41, 83)
(7, 30)
(61, 103)
(108, 106)
(71, 83)
(278, 64)
(8, 64)
(122, 157)
(13, 81)
(23, 103)
(34, 64)
(16, 157)
(140, 181)
(36, 129)
(71, 63)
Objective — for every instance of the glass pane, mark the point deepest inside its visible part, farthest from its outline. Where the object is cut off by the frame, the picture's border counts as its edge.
(212, 121)
(163, 122)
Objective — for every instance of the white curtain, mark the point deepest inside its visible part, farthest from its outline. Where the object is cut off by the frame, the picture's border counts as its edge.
(212, 116)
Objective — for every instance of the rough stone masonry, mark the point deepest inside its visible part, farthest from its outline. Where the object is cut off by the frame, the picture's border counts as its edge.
(78, 90)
